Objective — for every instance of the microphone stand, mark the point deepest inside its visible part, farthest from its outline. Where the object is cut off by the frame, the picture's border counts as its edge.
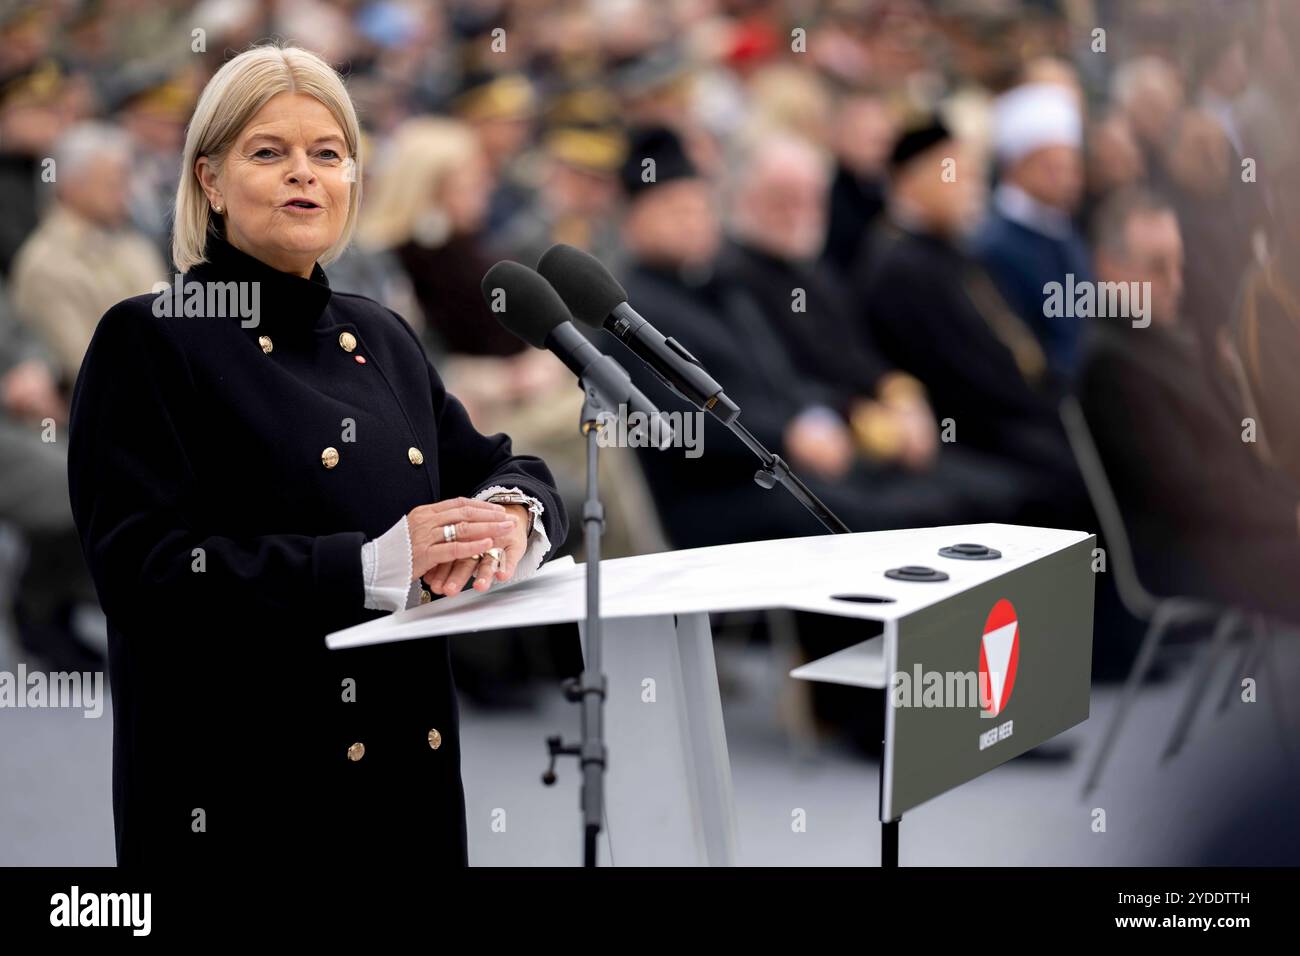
(775, 470)
(699, 389)
(589, 687)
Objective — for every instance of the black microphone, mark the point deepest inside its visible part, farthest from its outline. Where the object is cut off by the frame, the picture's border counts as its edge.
(526, 305)
(595, 298)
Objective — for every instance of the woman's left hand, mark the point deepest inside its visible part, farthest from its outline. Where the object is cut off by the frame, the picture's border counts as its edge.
(451, 576)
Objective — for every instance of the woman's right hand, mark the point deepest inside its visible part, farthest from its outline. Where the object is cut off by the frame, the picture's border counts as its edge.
(479, 525)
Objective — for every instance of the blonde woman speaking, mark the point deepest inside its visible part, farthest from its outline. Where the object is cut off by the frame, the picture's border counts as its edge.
(255, 461)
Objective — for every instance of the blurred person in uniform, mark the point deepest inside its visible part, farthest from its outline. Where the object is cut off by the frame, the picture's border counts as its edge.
(1205, 516)
(501, 111)
(84, 256)
(27, 34)
(1029, 238)
(55, 581)
(779, 193)
(653, 85)
(152, 109)
(32, 116)
(935, 313)
(863, 133)
(578, 199)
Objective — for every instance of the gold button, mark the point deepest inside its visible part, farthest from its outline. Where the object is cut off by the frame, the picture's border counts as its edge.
(416, 456)
(425, 596)
(347, 341)
(356, 752)
(435, 738)
(265, 342)
(329, 457)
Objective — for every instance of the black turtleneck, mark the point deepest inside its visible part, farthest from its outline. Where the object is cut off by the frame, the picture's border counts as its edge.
(289, 302)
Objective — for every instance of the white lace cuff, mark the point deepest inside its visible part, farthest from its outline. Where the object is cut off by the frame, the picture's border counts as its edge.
(538, 543)
(386, 570)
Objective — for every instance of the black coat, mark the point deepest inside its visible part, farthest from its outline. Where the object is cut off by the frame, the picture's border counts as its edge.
(826, 342)
(935, 313)
(1205, 515)
(223, 551)
(713, 499)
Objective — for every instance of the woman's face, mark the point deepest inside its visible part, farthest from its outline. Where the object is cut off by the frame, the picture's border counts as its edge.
(285, 183)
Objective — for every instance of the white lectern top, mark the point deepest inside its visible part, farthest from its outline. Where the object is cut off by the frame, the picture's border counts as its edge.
(802, 574)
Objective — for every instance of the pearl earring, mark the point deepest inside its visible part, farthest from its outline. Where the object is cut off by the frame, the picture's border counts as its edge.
(216, 209)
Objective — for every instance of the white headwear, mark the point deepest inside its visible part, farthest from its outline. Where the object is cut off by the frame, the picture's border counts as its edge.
(1035, 115)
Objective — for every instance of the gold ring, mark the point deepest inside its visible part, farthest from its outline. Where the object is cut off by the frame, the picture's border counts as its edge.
(448, 533)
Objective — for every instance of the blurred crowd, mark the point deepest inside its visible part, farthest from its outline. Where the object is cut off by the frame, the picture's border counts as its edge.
(851, 211)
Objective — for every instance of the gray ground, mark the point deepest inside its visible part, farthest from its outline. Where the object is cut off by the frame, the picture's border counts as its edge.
(1230, 797)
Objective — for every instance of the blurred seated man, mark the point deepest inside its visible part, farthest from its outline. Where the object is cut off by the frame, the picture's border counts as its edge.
(778, 220)
(1207, 518)
(934, 312)
(83, 257)
(672, 234)
(1029, 238)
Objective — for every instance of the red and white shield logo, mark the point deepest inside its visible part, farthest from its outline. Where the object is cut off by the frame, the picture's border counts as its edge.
(999, 652)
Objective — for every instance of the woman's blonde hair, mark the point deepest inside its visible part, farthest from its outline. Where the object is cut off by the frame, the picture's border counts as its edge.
(232, 97)
(424, 150)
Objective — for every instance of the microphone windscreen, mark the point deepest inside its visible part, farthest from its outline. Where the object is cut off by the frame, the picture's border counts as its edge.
(584, 284)
(523, 302)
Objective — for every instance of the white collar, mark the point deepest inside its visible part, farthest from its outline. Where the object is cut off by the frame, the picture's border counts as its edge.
(1020, 207)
